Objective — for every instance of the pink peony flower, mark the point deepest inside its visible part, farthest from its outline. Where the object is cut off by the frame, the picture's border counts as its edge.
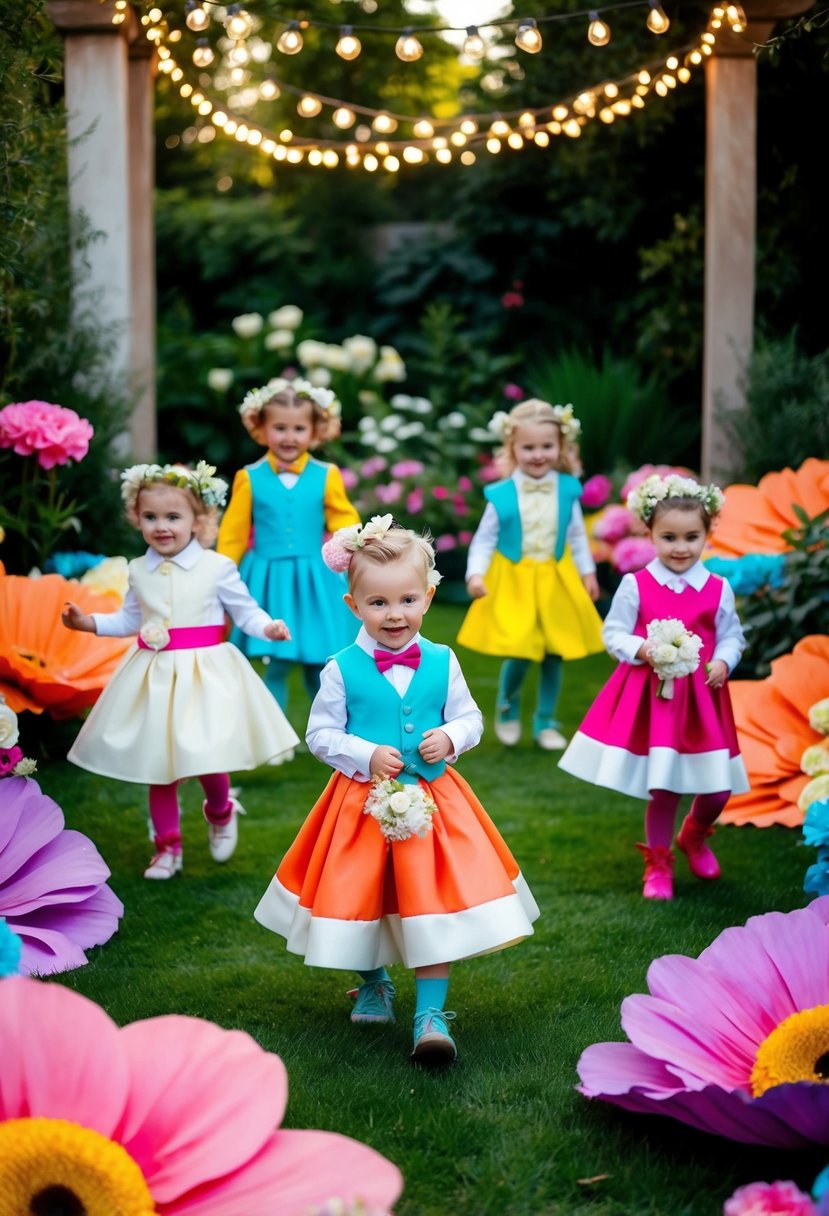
(172, 1115)
(514, 392)
(389, 493)
(595, 492)
(440, 492)
(613, 524)
(407, 468)
(9, 757)
(52, 432)
(465, 484)
(414, 501)
(374, 464)
(632, 553)
(336, 556)
(769, 1199)
(350, 478)
(444, 542)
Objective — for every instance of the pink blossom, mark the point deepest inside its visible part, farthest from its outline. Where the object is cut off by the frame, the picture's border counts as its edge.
(613, 524)
(389, 493)
(464, 538)
(489, 471)
(444, 542)
(374, 464)
(460, 504)
(350, 478)
(440, 492)
(632, 553)
(407, 468)
(596, 491)
(9, 757)
(54, 433)
(636, 478)
(514, 392)
(769, 1199)
(512, 299)
(465, 484)
(414, 501)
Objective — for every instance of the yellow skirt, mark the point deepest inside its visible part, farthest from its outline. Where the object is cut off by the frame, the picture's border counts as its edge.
(531, 609)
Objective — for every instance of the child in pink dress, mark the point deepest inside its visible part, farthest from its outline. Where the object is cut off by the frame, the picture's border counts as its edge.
(640, 742)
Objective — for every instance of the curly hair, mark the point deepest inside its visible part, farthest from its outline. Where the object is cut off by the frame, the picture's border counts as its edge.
(395, 545)
(531, 412)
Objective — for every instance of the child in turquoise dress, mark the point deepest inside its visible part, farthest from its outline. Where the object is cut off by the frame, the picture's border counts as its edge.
(289, 500)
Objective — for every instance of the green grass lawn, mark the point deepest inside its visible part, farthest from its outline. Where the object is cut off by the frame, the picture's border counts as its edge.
(503, 1130)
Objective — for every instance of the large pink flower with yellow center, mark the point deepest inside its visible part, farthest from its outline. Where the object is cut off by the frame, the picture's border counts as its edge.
(735, 1042)
(172, 1115)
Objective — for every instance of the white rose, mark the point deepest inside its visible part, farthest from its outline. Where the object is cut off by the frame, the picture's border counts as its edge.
(310, 353)
(9, 733)
(336, 357)
(287, 317)
(389, 369)
(688, 650)
(320, 377)
(248, 325)
(220, 379)
(399, 802)
(362, 352)
(663, 654)
(154, 635)
(279, 339)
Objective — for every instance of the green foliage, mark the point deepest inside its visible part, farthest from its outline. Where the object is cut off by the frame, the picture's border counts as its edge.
(625, 422)
(775, 619)
(786, 418)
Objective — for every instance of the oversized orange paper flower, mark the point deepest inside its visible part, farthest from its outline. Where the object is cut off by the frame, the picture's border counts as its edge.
(778, 719)
(754, 517)
(44, 665)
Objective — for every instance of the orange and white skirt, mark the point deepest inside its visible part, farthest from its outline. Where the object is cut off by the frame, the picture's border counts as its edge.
(347, 898)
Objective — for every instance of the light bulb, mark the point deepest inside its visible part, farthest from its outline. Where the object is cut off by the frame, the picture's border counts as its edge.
(407, 47)
(237, 23)
(197, 18)
(474, 47)
(469, 126)
(499, 128)
(384, 124)
(268, 90)
(238, 56)
(343, 117)
(528, 38)
(290, 40)
(657, 22)
(203, 56)
(423, 129)
(308, 106)
(598, 33)
(349, 46)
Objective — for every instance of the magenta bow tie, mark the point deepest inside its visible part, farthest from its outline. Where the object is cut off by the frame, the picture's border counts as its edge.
(410, 657)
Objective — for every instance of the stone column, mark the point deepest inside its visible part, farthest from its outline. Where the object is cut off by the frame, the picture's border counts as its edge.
(142, 249)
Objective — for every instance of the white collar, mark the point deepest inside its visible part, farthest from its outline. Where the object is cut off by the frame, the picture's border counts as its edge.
(518, 477)
(368, 644)
(697, 576)
(187, 558)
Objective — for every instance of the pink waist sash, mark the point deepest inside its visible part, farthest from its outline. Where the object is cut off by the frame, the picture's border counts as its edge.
(190, 638)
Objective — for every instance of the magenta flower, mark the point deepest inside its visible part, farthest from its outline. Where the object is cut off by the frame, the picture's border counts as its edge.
(614, 523)
(489, 472)
(632, 553)
(350, 478)
(464, 538)
(460, 504)
(769, 1199)
(465, 484)
(390, 493)
(445, 542)
(171, 1115)
(440, 492)
(53, 890)
(596, 491)
(414, 501)
(733, 1042)
(407, 468)
(514, 392)
(512, 299)
(374, 464)
(9, 757)
(51, 432)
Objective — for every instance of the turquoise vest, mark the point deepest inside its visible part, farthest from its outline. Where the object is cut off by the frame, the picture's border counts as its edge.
(504, 497)
(378, 713)
(288, 523)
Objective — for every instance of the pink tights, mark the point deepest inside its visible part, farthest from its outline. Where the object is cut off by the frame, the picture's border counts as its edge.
(165, 814)
(660, 814)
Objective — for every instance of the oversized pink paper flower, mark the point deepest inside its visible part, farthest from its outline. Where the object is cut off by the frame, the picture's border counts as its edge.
(769, 1199)
(734, 1042)
(53, 882)
(53, 433)
(614, 523)
(171, 1115)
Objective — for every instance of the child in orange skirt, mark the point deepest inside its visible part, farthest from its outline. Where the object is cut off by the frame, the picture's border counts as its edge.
(398, 861)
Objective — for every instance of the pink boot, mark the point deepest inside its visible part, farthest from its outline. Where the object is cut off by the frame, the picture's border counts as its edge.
(691, 842)
(658, 880)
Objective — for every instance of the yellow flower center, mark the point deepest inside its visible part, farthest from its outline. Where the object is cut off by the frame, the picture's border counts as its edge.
(796, 1050)
(49, 1167)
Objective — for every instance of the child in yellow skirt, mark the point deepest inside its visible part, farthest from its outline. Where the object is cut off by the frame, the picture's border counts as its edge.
(530, 572)
(398, 861)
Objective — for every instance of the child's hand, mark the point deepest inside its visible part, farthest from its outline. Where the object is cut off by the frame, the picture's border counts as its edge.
(277, 631)
(475, 586)
(591, 586)
(644, 653)
(386, 762)
(436, 745)
(717, 673)
(74, 618)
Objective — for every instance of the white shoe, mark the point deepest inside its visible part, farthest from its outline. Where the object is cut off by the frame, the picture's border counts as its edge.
(222, 837)
(164, 865)
(283, 757)
(550, 739)
(508, 732)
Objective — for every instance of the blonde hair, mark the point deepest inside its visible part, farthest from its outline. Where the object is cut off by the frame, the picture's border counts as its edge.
(536, 411)
(397, 544)
(206, 523)
(325, 424)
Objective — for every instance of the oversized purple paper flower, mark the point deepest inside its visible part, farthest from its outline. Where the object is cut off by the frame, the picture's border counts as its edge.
(735, 1042)
(53, 891)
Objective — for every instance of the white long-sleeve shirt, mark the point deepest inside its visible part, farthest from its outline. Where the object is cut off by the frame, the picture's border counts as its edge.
(539, 529)
(330, 742)
(622, 643)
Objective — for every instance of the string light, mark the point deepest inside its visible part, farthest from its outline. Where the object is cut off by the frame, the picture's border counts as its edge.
(238, 23)
(309, 106)
(203, 55)
(474, 47)
(348, 46)
(528, 37)
(407, 47)
(290, 41)
(343, 117)
(657, 21)
(598, 32)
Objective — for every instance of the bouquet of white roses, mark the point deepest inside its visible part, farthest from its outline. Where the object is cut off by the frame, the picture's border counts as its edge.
(401, 810)
(674, 652)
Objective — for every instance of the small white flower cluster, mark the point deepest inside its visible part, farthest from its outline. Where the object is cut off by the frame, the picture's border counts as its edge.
(201, 481)
(9, 735)
(674, 652)
(568, 423)
(388, 433)
(401, 810)
(256, 398)
(501, 424)
(357, 354)
(655, 489)
(355, 536)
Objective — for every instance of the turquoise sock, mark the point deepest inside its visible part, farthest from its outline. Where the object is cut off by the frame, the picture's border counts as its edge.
(549, 687)
(276, 680)
(510, 679)
(430, 994)
(377, 976)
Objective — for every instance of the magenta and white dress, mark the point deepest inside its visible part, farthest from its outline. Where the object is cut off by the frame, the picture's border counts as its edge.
(633, 741)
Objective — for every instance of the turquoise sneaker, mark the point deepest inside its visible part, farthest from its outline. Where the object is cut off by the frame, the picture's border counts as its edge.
(433, 1044)
(373, 1002)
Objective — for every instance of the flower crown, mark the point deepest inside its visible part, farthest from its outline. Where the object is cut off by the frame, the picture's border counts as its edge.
(340, 549)
(200, 481)
(655, 489)
(254, 400)
(502, 424)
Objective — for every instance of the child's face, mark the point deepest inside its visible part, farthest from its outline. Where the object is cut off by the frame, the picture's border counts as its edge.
(288, 430)
(679, 536)
(391, 601)
(166, 519)
(536, 447)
